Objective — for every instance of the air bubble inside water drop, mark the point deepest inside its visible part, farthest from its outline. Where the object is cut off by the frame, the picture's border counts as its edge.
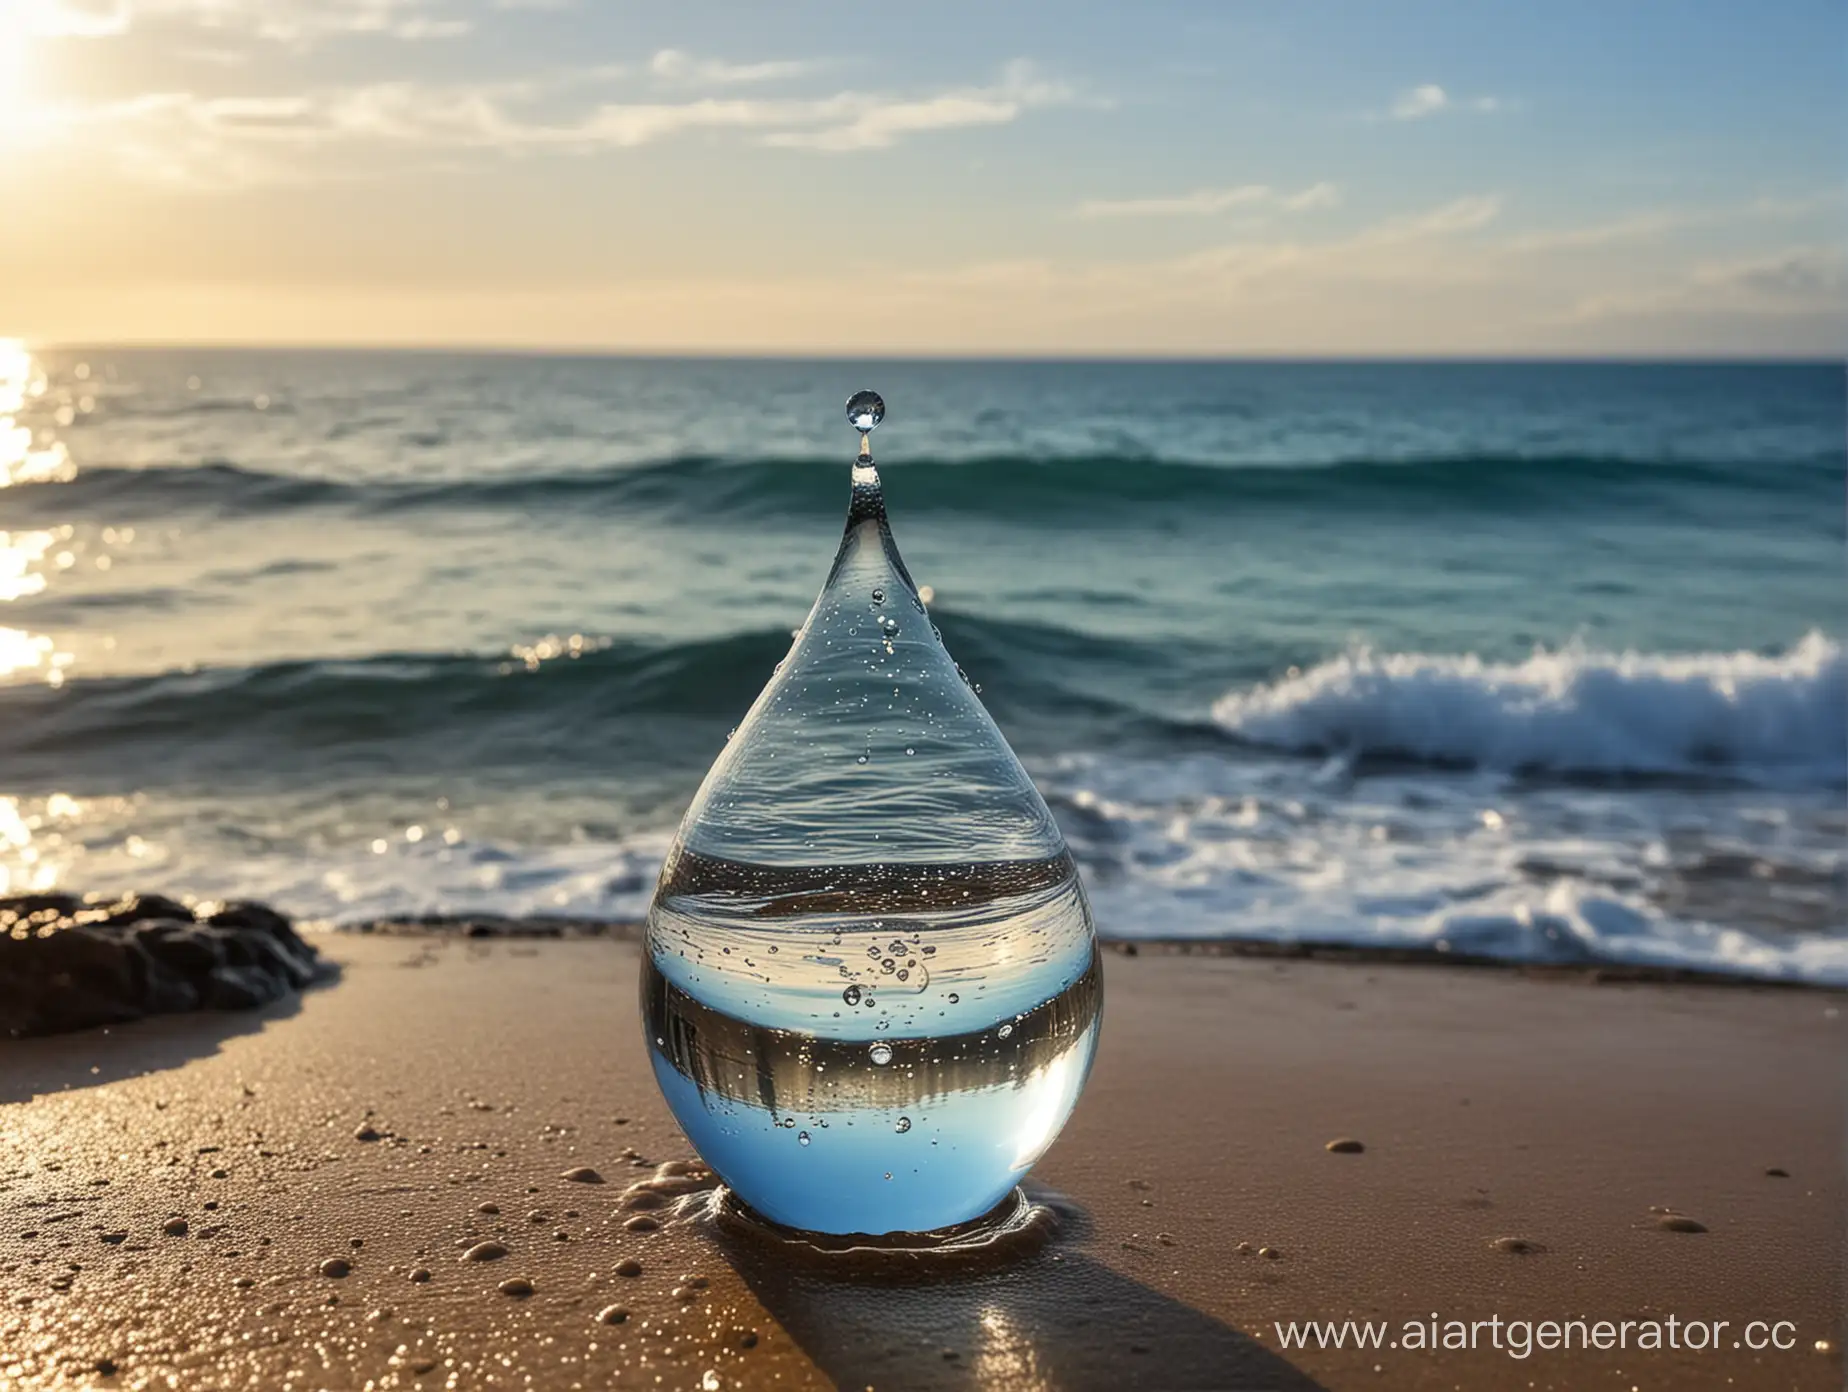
(880, 1054)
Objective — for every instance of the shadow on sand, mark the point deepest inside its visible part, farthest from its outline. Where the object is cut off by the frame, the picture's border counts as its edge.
(54, 1063)
(1056, 1320)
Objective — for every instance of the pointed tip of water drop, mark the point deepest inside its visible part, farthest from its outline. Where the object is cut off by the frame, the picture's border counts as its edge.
(865, 409)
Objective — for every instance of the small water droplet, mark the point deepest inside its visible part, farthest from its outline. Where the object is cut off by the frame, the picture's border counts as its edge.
(904, 1125)
(861, 759)
(954, 998)
(910, 749)
(895, 947)
(878, 596)
(851, 995)
(802, 1138)
(865, 410)
(1004, 1031)
(888, 623)
(880, 1054)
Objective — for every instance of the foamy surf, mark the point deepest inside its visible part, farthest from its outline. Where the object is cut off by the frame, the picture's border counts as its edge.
(1735, 882)
(1780, 719)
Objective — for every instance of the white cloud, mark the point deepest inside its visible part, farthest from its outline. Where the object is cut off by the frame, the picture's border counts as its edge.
(1654, 224)
(219, 141)
(1207, 201)
(1428, 99)
(676, 65)
(76, 19)
(854, 121)
(1798, 282)
(298, 23)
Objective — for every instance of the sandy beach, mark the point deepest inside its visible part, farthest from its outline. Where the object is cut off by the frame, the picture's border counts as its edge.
(284, 1198)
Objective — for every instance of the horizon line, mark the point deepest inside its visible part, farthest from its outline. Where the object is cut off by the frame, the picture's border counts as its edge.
(1692, 357)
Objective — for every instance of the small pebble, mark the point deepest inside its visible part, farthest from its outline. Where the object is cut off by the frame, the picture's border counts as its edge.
(243, 1283)
(366, 1133)
(112, 1238)
(517, 1286)
(1776, 1173)
(628, 1266)
(174, 1227)
(685, 1293)
(106, 1367)
(221, 1174)
(1243, 1249)
(583, 1174)
(421, 1274)
(336, 1267)
(612, 1314)
(642, 1223)
(485, 1251)
(1165, 1239)
(487, 1208)
(1344, 1145)
(1678, 1222)
(1521, 1246)
(696, 1282)
(1270, 1252)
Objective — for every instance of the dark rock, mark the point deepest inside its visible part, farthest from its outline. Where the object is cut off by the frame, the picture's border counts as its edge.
(239, 988)
(138, 908)
(181, 946)
(68, 964)
(260, 918)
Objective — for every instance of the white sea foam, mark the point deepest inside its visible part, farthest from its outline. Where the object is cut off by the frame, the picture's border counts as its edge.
(1572, 710)
(1742, 882)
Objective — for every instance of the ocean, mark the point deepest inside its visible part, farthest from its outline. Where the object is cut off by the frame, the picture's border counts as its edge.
(1537, 661)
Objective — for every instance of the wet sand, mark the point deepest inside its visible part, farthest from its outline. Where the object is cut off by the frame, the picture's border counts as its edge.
(414, 1177)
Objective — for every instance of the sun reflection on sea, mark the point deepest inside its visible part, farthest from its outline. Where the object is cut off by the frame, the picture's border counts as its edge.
(25, 455)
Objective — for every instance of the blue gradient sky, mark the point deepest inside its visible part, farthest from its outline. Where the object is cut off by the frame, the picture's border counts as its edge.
(1309, 178)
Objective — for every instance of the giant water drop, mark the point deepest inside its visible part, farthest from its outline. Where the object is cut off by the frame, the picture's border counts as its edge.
(814, 831)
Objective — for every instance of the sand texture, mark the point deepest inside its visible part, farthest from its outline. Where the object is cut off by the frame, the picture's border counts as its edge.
(415, 1177)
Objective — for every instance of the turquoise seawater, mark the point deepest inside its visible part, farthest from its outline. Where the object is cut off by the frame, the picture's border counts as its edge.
(1533, 660)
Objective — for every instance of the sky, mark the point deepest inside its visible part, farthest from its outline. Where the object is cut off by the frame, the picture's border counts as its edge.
(1580, 177)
